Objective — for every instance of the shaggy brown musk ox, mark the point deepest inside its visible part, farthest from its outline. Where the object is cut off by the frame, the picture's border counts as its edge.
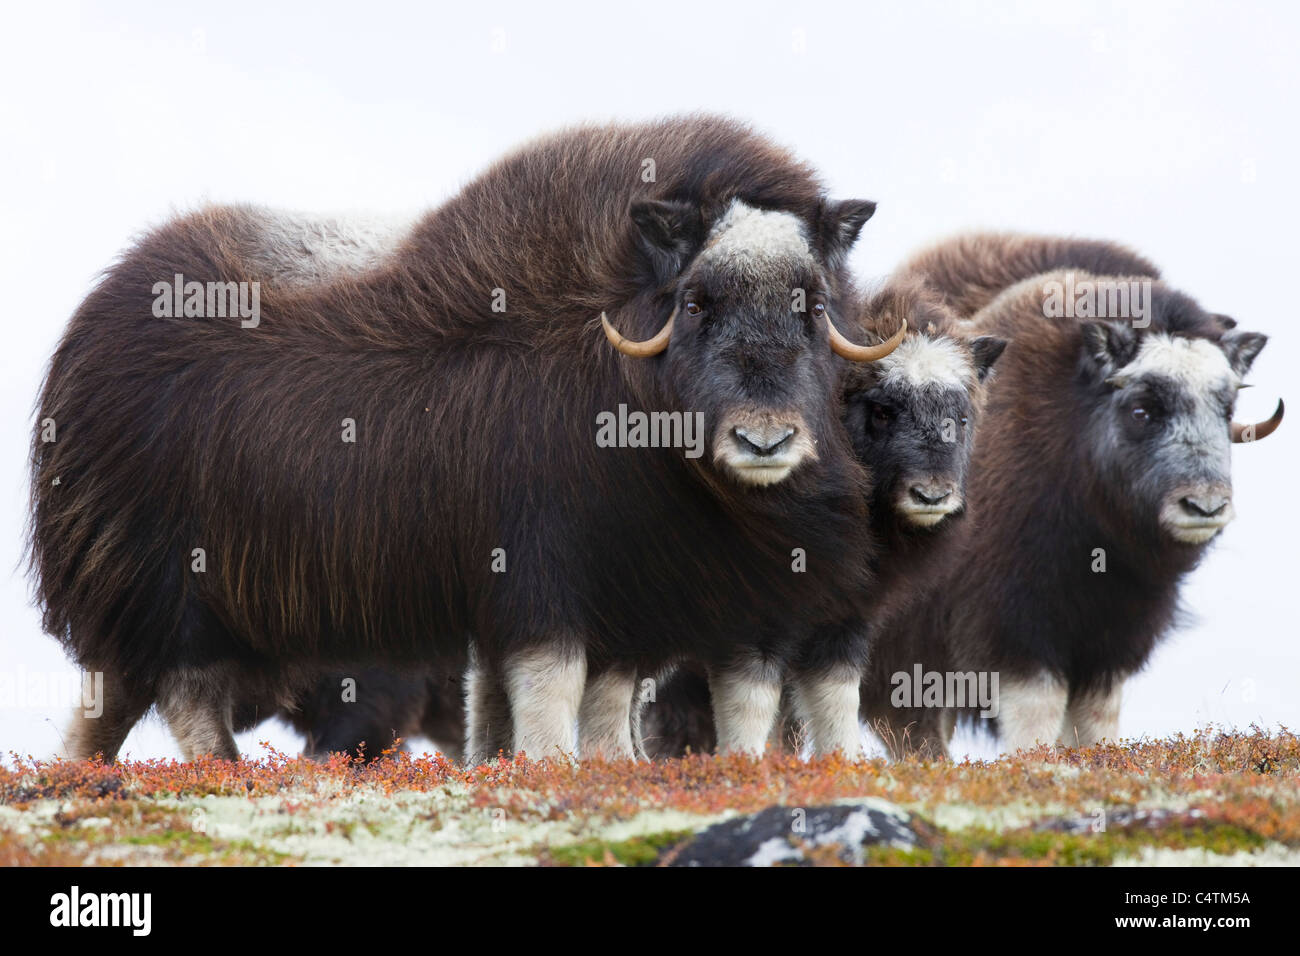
(384, 464)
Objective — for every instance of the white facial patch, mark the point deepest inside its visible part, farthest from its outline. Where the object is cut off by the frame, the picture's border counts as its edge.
(757, 243)
(1201, 371)
(921, 361)
(1197, 364)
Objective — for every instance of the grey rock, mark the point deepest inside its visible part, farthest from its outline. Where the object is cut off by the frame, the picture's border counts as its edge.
(1121, 819)
(781, 835)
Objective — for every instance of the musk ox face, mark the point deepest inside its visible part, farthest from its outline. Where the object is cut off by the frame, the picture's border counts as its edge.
(754, 355)
(1161, 433)
(912, 416)
(749, 338)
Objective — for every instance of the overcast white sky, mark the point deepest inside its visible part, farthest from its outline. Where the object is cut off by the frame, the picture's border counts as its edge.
(1170, 126)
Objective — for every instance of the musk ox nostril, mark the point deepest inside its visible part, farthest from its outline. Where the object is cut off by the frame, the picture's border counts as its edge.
(1204, 506)
(762, 441)
(930, 495)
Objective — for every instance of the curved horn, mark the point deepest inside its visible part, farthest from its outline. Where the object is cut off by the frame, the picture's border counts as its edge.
(863, 353)
(1248, 433)
(651, 346)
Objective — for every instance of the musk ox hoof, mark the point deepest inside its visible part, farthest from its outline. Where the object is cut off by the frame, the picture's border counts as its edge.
(795, 835)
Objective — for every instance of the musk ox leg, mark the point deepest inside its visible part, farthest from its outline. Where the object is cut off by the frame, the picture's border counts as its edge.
(827, 703)
(923, 732)
(606, 715)
(1031, 710)
(937, 733)
(443, 719)
(197, 703)
(489, 731)
(897, 733)
(791, 731)
(1093, 716)
(746, 703)
(640, 698)
(545, 685)
(101, 725)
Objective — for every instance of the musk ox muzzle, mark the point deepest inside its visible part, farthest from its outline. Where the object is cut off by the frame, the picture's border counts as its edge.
(762, 447)
(927, 500)
(1195, 513)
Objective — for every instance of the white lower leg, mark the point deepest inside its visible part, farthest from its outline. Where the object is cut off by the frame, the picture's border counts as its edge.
(1030, 710)
(605, 718)
(545, 686)
(828, 704)
(196, 704)
(1092, 717)
(746, 702)
(489, 730)
(109, 708)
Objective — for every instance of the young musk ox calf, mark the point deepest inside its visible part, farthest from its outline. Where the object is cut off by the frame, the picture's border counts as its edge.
(912, 420)
(1101, 475)
(386, 462)
(365, 712)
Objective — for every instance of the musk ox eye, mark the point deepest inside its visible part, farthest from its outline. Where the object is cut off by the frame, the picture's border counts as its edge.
(1140, 414)
(693, 308)
(881, 415)
(819, 308)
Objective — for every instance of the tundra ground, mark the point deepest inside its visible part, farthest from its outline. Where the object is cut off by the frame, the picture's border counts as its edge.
(1214, 797)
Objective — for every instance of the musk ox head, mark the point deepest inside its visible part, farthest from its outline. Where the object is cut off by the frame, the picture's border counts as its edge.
(912, 414)
(1160, 429)
(749, 302)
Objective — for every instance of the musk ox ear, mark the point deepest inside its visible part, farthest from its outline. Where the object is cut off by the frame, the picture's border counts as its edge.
(1110, 345)
(670, 232)
(985, 351)
(838, 226)
(1241, 349)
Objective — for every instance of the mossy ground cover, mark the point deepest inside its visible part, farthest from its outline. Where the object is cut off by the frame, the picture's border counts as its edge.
(1212, 796)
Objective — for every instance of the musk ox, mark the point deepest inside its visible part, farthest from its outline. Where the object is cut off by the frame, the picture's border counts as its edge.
(363, 714)
(1099, 480)
(399, 465)
(912, 419)
(969, 271)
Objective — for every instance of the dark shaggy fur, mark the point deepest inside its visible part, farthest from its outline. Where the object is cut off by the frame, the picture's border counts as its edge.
(474, 432)
(1020, 596)
(970, 271)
